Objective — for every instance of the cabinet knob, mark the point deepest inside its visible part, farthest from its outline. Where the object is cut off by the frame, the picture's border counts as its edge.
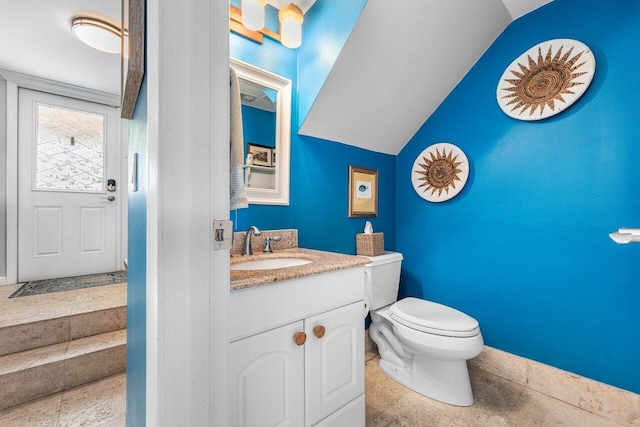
(300, 338)
(319, 331)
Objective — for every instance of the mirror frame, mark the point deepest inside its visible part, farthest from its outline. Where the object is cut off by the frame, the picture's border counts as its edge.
(279, 195)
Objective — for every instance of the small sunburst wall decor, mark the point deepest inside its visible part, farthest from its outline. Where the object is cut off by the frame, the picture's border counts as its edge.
(546, 79)
(440, 172)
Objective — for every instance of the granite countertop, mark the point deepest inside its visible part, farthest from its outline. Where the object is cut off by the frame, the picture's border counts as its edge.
(321, 262)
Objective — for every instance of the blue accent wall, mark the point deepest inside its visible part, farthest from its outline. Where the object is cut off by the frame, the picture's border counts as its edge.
(524, 248)
(136, 274)
(319, 169)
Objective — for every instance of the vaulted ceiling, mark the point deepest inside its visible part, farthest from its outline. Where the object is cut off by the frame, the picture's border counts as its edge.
(400, 62)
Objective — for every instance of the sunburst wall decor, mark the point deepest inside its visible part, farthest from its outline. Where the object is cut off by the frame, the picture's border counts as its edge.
(440, 172)
(546, 79)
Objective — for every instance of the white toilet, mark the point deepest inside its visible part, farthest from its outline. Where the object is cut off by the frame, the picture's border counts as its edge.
(422, 344)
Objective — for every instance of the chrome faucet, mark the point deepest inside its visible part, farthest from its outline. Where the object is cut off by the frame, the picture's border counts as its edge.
(246, 248)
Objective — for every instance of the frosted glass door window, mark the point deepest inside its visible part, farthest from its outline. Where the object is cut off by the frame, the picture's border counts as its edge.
(70, 150)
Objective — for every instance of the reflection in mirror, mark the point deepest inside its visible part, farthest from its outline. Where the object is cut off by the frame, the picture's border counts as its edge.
(259, 129)
(266, 117)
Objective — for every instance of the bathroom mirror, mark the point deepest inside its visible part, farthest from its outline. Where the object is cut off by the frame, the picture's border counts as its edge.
(266, 116)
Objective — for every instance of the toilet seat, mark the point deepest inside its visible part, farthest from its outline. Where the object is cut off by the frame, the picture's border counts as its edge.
(433, 318)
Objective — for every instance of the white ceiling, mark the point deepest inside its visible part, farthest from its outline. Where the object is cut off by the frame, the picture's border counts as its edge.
(36, 39)
(400, 62)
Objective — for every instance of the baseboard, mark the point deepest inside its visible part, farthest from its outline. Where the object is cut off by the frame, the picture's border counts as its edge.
(3, 281)
(607, 401)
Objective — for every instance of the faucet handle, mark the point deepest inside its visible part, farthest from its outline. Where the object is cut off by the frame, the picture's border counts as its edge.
(267, 243)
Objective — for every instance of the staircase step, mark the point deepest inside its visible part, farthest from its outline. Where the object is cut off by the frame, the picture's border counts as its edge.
(35, 373)
(41, 320)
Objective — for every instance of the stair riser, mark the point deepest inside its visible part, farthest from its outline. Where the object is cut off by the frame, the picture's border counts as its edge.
(43, 380)
(47, 332)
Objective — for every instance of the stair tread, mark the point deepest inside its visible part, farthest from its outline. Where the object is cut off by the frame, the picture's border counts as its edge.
(32, 309)
(59, 352)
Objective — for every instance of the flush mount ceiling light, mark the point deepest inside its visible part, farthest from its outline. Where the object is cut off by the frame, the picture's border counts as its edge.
(97, 34)
(291, 26)
(253, 14)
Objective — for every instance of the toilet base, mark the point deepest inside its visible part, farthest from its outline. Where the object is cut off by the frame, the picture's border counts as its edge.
(443, 380)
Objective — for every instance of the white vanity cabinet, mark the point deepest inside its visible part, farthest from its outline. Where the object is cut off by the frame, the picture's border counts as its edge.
(296, 356)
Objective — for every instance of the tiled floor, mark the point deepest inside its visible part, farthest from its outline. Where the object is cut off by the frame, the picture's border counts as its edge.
(97, 404)
(498, 402)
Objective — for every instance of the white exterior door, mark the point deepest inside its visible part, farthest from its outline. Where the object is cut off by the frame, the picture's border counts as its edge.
(67, 217)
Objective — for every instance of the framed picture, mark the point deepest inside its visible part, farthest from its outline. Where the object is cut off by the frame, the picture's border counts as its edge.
(363, 192)
(261, 154)
(132, 54)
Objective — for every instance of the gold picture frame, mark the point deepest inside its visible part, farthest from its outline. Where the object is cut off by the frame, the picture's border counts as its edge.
(363, 192)
(131, 59)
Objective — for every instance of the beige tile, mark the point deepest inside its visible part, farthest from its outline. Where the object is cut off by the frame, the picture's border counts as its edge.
(417, 410)
(34, 308)
(100, 297)
(616, 404)
(503, 364)
(95, 357)
(98, 322)
(98, 404)
(381, 391)
(537, 409)
(15, 362)
(30, 384)
(42, 413)
(492, 393)
(31, 335)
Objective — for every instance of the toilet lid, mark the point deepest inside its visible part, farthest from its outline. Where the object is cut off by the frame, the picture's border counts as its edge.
(434, 318)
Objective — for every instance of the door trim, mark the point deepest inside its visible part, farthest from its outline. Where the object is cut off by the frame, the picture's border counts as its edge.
(25, 81)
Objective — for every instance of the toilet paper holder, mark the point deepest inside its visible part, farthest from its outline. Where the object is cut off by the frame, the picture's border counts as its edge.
(626, 235)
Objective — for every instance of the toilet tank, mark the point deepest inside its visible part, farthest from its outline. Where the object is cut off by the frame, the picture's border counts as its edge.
(382, 279)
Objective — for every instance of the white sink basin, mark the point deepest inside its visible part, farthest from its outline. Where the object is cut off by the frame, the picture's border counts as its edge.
(269, 264)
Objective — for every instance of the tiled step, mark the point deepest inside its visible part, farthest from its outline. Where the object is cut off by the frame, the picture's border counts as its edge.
(31, 374)
(32, 335)
(40, 320)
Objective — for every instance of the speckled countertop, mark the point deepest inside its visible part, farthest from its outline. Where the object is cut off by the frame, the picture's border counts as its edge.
(321, 262)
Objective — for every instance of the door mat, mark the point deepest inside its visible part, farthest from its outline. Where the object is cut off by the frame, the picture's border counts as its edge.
(38, 287)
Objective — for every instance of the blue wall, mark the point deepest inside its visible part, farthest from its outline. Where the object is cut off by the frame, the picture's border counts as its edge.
(258, 126)
(319, 169)
(136, 274)
(524, 248)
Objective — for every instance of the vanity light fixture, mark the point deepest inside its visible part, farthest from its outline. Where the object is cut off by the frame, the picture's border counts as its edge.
(253, 14)
(97, 34)
(290, 17)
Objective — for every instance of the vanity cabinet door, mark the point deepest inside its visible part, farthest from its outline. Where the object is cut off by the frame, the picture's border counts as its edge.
(266, 378)
(334, 368)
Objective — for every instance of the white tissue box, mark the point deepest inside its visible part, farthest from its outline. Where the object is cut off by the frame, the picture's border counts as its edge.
(370, 244)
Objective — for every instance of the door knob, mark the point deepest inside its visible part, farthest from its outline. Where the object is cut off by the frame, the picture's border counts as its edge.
(319, 331)
(109, 198)
(300, 338)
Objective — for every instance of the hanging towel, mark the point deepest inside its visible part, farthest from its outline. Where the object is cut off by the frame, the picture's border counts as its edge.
(238, 199)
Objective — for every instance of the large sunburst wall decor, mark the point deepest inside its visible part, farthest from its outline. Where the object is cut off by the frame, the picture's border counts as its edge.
(546, 79)
(440, 172)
